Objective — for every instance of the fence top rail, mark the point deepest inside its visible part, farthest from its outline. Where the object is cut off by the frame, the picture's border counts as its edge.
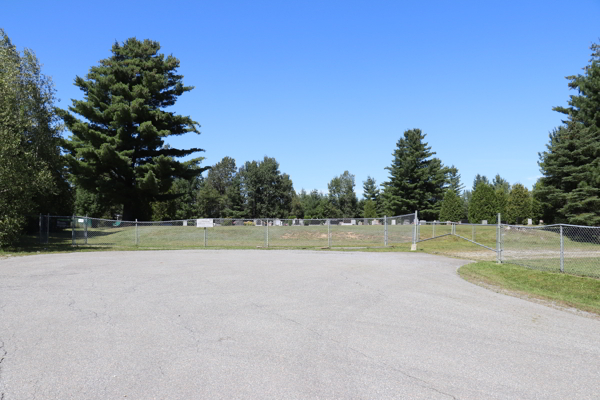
(550, 226)
(236, 219)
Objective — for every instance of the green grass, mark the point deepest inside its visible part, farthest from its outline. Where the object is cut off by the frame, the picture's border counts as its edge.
(566, 290)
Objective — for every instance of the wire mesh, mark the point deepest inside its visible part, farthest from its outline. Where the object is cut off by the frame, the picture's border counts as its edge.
(557, 248)
(400, 229)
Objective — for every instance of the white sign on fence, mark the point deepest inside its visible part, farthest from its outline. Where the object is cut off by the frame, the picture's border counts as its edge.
(204, 223)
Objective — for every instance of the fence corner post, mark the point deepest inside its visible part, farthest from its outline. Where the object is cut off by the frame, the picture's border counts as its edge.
(136, 233)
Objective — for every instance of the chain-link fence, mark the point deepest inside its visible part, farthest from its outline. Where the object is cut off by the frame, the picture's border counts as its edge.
(560, 248)
(557, 248)
(228, 232)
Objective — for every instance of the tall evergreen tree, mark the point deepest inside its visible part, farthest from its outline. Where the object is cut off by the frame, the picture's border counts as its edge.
(417, 180)
(453, 179)
(478, 179)
(518, 207)
(371, 192)
(483, 204)
(571, 163)
(499, 183)
(118, 147)
(452, 207)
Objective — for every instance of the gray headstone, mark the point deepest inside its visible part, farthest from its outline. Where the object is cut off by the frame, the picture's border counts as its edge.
(484, 222)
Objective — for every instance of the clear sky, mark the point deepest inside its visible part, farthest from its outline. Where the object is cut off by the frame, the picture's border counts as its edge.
(328, 86)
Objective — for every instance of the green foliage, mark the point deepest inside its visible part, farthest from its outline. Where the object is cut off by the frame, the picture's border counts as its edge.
(483, 204)
(181, 207)
(313, 204)
(31, 176)
(219, 195)
(416, 181)
(342, 197)
(480, 179)
(518, 208)
(371, 192)
(570, 186)
(452, 207)
(499, 183)
(117, 149)
(453, 179)
(501, 201)
(370, 209)
(268, 193)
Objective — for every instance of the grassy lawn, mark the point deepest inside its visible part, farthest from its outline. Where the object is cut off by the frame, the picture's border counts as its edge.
(566, 290)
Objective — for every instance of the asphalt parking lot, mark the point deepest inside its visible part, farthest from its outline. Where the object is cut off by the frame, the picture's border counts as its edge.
(256, 324)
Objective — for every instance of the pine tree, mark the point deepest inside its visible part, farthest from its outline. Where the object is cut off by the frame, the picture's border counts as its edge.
(483, 204)
(118, 147)
(518, 207)
(478, 179)
(369, 210)
(416, 180)
(570, 185)
(371, 192)
(453, 179)
(452, 207)
(499, 183)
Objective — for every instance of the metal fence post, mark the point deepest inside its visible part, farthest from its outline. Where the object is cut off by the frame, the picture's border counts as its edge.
(329, 233)
(267, 233)
(204, 236)
(85, 227)
(136, 233)
(416, 223)
(73, 230)
(40, 228)
(562, 250)
(433, 229)
(385, 236)
(47, 228)
(473, 232)
(499, 241)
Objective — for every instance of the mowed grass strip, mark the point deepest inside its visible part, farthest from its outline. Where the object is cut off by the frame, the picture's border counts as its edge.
(566, 290)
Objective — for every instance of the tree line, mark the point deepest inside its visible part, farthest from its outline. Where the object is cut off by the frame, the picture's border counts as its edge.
(117, 161)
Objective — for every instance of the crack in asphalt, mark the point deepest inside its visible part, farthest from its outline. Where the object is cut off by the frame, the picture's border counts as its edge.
(421, 382)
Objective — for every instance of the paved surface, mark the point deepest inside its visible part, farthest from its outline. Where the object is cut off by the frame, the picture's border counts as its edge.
(279, 325)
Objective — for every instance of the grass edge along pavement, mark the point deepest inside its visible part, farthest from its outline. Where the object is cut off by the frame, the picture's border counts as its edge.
(582, 293)
(566, 290)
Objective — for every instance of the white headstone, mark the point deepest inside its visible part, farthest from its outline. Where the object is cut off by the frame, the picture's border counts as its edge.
(185, 223)
(529, 221)
(393, 222)
(484, 222)
(352, 222)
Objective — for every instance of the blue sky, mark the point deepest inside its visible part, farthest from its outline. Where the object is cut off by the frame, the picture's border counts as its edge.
(329, 86)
